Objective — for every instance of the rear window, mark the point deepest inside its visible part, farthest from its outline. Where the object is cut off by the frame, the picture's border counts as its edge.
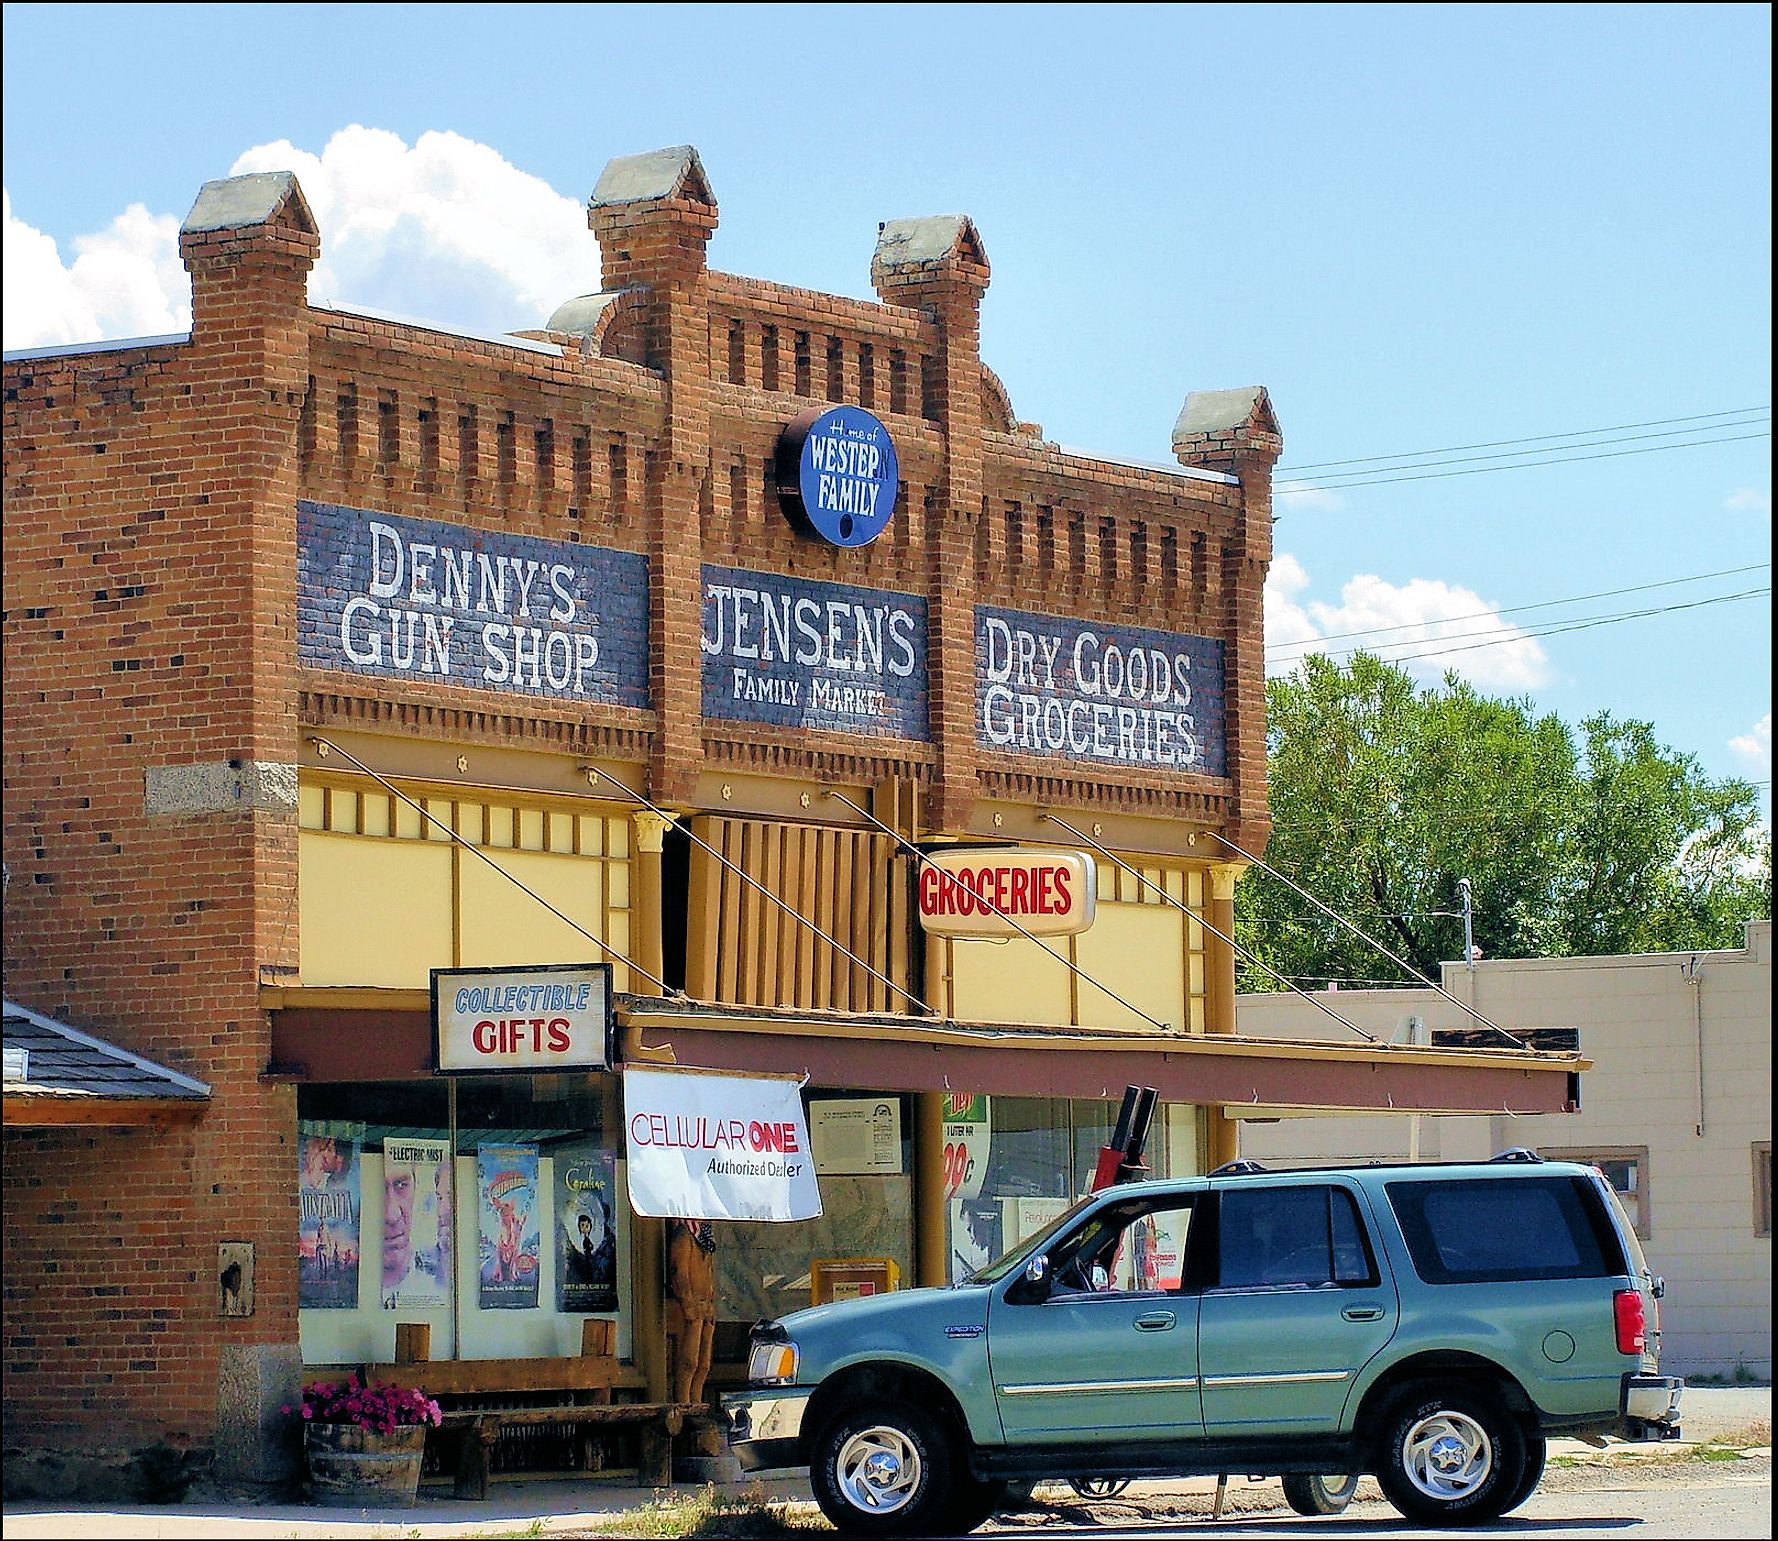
(1486, 1230)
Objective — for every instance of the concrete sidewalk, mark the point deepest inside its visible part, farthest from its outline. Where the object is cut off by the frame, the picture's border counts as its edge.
(551, 1507)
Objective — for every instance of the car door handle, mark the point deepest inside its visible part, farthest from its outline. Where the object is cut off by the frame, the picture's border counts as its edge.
(1363, 1313)
(1154, 1321)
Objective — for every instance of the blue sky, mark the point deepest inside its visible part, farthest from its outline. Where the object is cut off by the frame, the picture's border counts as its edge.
(1419, 227)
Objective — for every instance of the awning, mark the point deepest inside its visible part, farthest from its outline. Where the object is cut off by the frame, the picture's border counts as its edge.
(346, 1035)
(56, 1074)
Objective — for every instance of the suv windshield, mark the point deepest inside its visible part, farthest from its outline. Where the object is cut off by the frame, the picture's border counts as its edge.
(1030, 1246)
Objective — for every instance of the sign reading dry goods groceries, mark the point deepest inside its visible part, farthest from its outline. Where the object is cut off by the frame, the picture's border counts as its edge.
(711, 1145)
(531, 1018)
(801, 653)
(982, 892)
(1117, 695)
(487, 609)
(837, 475)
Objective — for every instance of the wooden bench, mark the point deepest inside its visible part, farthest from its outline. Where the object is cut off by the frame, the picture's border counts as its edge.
(580, 1390)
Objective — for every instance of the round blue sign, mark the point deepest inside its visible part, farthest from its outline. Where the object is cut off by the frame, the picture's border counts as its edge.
(837, 475)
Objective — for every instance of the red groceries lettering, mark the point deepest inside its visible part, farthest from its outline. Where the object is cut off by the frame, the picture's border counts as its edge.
(512, 1035)
(1015, 891)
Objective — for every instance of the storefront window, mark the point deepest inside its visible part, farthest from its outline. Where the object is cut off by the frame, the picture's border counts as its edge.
(1032, 1157)
(488, 1209)
(862, 1143)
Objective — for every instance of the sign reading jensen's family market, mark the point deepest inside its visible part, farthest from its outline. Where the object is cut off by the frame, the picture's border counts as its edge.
(802, 653)
(488, 609)
(1118, 695)
(837, 475)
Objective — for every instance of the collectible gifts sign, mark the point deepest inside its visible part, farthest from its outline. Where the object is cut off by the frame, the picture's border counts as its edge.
(544, 1018)
(708, 1145)
(487, 609)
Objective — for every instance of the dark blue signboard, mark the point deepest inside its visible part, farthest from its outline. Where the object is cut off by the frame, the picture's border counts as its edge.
(837, 475)
(417, 599)
(1084, 690)
(800, 653)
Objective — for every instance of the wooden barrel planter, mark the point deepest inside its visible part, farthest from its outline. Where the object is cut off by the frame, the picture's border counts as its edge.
(363, 1468)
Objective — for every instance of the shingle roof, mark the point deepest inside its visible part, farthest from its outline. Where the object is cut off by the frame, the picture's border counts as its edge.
(49, 1058)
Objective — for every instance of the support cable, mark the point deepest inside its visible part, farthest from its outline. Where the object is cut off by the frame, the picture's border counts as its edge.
(1187, 910)
(751, 881)
(989, 905)
(475, 850)
(1296, 887)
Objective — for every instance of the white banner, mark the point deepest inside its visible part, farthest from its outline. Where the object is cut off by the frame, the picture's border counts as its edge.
(706, 1145)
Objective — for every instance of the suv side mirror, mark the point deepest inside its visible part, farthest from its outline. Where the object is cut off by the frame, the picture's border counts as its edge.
(1038, 1269)
(1657, 1286)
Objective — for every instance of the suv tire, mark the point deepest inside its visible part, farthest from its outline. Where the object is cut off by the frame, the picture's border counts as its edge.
(1312, 1494)
(884, 1469)
(1451, 1458)
(1536, 1452)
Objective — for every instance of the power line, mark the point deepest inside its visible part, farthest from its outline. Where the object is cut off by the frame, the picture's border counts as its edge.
(1538, 438)
(1525, 465)
(1516, 454)
(1313, 643)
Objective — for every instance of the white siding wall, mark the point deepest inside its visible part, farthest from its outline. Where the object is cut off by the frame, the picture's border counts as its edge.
(1636, 1023)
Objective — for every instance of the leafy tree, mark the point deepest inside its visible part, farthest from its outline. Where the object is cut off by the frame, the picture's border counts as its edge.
(1384, 797)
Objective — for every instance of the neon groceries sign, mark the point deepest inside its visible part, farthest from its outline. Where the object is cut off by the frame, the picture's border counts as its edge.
(837, 475)
(981, 893)
(534, 1019)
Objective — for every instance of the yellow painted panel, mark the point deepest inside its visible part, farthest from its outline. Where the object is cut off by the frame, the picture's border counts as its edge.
(592, 835)
(376, 813)
(311, 806)
(617, 837)
(500, 826)
(502, 925)
(620, 885)
(561, 833)
(1135, 949)
(342, 811)
(407, 820)
(1014, 981)
(531, 829)
(439, 812)
(1195, 894)
(373, 912)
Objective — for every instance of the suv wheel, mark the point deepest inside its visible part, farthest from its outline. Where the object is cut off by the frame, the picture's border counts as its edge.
(1311, 1493)
(884, 1470)
(1536, 1451)
(1452, 1458)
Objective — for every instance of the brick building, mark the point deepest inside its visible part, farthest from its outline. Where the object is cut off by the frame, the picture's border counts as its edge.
(340, 649)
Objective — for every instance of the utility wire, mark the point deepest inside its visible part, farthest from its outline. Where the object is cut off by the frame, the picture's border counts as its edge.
(1313, 643)
(1525, 465)
(1516, 454)
(1538, 438)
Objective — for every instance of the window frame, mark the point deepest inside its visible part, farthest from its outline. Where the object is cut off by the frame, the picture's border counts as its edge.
(1639, 1204)
(1762, 1188)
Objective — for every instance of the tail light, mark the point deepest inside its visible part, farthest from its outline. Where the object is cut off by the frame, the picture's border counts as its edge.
(1632, 1321)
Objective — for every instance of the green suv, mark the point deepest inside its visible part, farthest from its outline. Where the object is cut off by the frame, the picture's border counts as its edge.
(1428, 1324)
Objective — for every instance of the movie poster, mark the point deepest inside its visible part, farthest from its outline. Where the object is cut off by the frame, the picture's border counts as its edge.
(506, 1186)
(416, 1223)
(327, 1226)
(586, 1229)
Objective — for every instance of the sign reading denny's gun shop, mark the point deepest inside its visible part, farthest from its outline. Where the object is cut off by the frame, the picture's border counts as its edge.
(1085, 690)
(488, 609)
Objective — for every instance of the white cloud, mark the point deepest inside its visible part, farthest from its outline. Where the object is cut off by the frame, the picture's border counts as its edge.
(1402, 623)
(1300, 497)
(125, 281)
(1755, 745)
(445, 229)
(1748, 500)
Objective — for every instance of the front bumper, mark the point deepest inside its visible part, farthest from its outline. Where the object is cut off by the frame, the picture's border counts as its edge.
(765, 1426)
(1650, 1406)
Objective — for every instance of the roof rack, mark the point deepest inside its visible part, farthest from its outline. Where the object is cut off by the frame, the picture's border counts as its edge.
(1238, 1169)
(1517, 1153)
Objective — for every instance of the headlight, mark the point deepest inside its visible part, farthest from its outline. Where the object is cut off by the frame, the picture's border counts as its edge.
(772, 1363)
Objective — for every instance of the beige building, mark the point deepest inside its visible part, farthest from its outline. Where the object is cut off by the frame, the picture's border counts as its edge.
(1677, 1109)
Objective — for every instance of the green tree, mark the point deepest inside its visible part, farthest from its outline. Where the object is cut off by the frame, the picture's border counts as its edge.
(1384, 796)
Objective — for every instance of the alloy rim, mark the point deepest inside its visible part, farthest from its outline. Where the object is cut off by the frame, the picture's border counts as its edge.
(878, 1470)
(1447, 1456)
